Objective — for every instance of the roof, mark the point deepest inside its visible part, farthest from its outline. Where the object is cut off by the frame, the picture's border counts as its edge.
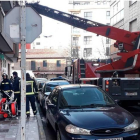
(45, 53)
(75, 86)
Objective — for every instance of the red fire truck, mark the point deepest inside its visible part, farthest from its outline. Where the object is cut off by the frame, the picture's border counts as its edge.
(125, 89)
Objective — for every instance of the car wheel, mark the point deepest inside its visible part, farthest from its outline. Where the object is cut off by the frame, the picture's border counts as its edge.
(58, 135)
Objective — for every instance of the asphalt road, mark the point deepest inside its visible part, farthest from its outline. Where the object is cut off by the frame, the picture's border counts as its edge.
(49, 132)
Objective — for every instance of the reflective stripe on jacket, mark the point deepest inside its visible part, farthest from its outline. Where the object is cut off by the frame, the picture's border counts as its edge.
(29, 88)
(6, 85)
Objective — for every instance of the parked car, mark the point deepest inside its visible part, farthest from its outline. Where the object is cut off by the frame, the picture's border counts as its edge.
(46, 90)
(86, 112)
(58, 78)
(40, 85)
(39, 82)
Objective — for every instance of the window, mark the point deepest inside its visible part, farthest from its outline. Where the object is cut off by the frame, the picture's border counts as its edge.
(37, 43)
(133, 26)
(76, 30)
(75, 52)
(44, 63)
(75, 41)
(4, 63)
(33, 66)
(58, 63)
(87, 40)
(118, 17)
(131, 2)
(88, 15)
(87, 52)
(47, 89)
(107, 13)
(76, 3)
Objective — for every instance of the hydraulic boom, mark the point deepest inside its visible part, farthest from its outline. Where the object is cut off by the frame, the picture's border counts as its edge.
(128, 42)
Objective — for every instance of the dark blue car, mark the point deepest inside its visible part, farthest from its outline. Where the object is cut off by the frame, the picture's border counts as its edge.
(86, 112)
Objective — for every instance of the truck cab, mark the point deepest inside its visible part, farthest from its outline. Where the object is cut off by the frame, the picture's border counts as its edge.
(126, 90)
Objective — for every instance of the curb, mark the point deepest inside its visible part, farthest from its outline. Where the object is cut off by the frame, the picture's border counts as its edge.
(42, 135)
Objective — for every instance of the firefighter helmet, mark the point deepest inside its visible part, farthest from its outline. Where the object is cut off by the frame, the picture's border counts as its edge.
(4, 74)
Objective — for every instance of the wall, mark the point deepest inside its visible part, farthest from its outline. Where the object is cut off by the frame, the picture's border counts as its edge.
(98, 43)
(131, 12)
(51, 65)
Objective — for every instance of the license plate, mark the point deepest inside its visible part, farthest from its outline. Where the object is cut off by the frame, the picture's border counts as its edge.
(131, 93)
(112, 139)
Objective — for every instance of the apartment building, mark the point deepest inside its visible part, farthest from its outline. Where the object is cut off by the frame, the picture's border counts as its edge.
(8, 50)
(85, 44)
(44, 62)
(124, 15)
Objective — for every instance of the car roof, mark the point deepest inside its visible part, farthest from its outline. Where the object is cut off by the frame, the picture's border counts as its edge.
(75, 86)
(40, 78)
(57, 81)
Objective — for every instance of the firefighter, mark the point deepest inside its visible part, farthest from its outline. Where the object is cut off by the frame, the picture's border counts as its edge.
(16, 88)
(30, 97)
(6, 85)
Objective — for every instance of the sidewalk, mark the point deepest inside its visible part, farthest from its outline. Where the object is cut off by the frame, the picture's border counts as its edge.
(10, 129)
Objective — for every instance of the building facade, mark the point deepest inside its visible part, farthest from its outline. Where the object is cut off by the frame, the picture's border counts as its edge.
(8, 50)
(45, 63)
(86, 44)
(124, 15)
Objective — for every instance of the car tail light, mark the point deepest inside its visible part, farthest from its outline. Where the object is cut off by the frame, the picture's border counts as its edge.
(107, 89)
(107, 82)
(107, 85)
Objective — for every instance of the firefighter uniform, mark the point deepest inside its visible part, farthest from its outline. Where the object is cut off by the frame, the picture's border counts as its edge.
(16, 88)
(30, 97)
(7, 86)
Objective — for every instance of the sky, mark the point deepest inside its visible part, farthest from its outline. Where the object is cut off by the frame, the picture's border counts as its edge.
(59, 31)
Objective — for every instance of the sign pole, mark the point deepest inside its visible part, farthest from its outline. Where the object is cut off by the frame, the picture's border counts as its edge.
(23, 69)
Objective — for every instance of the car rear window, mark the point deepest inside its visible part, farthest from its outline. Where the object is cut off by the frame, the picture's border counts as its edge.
(52, 85)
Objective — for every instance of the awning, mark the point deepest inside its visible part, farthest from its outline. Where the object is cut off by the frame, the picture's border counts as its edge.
(48, 72)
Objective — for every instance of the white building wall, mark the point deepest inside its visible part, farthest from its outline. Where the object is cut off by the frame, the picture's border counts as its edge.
(98, 43)
(131, 15)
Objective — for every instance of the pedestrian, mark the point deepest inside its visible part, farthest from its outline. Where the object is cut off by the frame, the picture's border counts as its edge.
(6, 86)
(30, 96)
(17, 91)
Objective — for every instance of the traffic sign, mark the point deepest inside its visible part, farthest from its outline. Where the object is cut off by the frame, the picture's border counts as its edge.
(12, 24)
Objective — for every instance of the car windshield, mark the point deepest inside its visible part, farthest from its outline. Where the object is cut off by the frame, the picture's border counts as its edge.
(54, 84)
(48, 89)
(85, 97)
